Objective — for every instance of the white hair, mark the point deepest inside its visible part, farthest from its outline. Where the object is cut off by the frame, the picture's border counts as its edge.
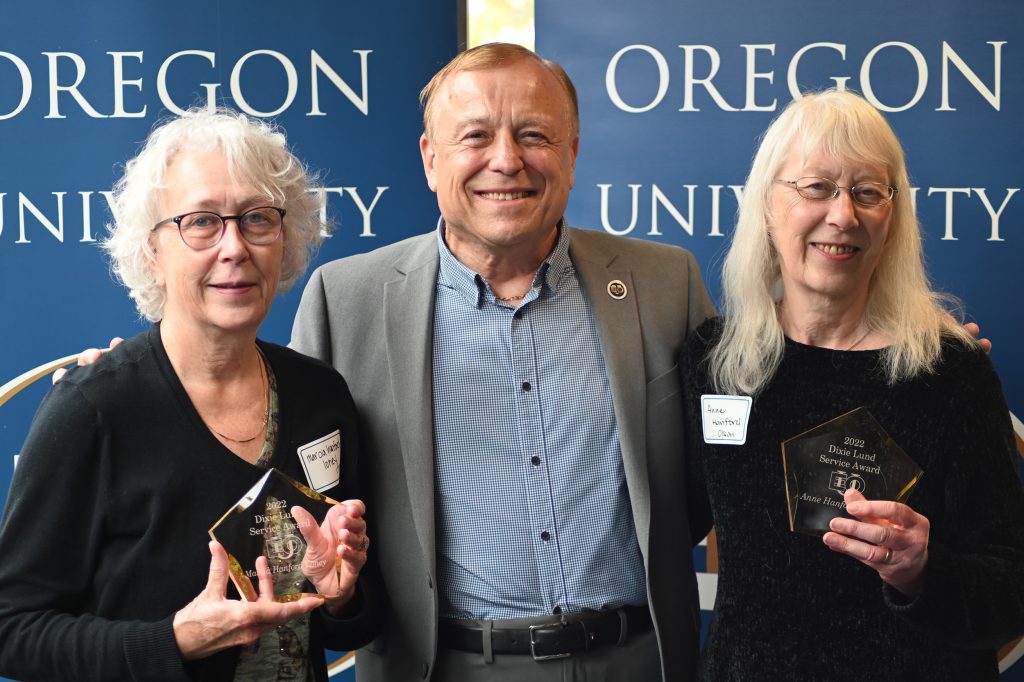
(255, 150)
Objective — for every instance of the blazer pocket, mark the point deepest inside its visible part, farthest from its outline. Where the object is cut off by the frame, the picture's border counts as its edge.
(663, 387)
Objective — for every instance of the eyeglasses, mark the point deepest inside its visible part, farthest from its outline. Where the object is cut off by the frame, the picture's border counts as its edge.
(204, 229)
(823, 189)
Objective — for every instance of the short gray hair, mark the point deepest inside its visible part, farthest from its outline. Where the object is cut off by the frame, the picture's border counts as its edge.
(255, 150)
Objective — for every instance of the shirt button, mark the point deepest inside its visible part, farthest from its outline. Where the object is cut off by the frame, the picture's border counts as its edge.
(557, 610)
(536, 460)
(518, 314)
(526, 386)
(545, 536)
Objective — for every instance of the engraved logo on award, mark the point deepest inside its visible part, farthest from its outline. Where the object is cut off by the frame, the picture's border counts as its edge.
(841, 481)
(850, 451)
(261, 523)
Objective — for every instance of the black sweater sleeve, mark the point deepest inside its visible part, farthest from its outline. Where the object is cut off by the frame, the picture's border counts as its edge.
(973, 594)
(52, 535)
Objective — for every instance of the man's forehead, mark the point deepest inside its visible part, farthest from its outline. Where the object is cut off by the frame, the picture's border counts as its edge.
(518, 117)
(520, 68)
(479, 96)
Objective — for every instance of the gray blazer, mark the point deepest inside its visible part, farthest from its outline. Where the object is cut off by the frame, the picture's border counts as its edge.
(371, 316)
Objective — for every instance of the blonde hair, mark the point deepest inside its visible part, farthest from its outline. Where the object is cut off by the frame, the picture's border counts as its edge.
(901, 304)
(255, 150)
(496, 55)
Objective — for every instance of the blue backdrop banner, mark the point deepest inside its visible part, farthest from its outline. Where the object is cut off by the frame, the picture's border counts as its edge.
(82, 84)
(674, 96)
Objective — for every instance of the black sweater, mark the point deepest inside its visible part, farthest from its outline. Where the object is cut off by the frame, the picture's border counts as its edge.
(787, 607)
(105, 532)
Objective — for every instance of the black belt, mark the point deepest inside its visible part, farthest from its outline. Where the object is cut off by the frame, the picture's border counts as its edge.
(572, 633)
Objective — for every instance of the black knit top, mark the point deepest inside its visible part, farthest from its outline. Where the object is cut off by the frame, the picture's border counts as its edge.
(787, 606)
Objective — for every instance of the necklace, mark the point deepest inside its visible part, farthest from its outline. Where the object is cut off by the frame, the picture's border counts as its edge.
(266, 410)
(861, 339)
(510, 299)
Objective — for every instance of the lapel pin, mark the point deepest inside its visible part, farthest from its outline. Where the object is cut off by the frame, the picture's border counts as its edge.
(616, 289)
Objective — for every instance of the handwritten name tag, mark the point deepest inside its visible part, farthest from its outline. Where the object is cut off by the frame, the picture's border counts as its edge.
(725, 418)
(321, 460)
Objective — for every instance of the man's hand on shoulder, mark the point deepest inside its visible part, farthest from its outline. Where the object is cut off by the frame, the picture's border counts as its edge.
(974, 330)
(87, 357)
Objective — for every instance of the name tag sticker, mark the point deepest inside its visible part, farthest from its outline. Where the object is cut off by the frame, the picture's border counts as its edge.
(725, 418)
(321, 460)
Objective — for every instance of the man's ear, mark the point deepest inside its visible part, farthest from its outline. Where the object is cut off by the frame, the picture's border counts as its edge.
(429, 156)
(572, 164)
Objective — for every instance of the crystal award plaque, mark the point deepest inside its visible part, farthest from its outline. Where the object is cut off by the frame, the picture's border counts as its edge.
(262, 523)
(850, 451)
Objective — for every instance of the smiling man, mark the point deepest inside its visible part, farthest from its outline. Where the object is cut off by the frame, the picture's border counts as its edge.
(520, 407)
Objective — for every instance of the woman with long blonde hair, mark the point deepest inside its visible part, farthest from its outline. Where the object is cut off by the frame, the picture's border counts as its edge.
(828, 309)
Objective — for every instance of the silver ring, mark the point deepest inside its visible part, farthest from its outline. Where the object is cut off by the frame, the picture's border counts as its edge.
(888, 556)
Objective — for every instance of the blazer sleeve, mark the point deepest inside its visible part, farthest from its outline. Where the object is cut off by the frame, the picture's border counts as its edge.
(692, 381)
(700, 306)
(361, 619)
(311, 331)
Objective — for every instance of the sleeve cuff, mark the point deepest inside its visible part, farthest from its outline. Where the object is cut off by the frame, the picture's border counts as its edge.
(152, 652)
(352, 609)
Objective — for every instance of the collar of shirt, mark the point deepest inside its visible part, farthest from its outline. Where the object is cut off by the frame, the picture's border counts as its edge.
(453, 274)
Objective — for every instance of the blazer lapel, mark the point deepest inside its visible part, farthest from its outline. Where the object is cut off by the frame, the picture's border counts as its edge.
(618, 326)
(408, 322)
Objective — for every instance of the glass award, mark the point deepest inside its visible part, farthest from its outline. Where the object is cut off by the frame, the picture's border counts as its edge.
(261, 523)
(850, 451)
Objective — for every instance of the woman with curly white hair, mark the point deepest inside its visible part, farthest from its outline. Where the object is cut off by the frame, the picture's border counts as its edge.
(828, 309)
(130, 460)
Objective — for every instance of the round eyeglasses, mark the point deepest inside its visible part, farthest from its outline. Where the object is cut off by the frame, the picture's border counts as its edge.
(204, 229)
(823, 189)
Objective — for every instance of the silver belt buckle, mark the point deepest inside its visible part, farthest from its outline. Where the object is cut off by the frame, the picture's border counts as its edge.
(533, 643)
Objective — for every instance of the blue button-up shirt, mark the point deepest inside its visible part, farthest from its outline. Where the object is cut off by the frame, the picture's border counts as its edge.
(533, 512)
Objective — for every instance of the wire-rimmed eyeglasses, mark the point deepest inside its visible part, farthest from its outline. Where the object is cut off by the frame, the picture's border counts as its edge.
(822, 189)
(204, 229)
